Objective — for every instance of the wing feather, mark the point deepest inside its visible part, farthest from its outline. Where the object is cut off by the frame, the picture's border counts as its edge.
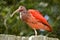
(39, 16)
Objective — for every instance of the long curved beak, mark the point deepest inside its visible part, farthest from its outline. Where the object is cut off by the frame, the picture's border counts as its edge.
(14, 13)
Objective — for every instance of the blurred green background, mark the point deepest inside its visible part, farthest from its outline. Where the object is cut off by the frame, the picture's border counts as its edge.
(15, 26)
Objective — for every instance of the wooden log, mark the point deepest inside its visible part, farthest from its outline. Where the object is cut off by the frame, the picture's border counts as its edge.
(18, 38)
(22, 38)
(52, 38)
(40, 37)
(13, 37)
(7, 37)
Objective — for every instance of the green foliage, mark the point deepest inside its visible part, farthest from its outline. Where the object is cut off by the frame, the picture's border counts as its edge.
(15, 26)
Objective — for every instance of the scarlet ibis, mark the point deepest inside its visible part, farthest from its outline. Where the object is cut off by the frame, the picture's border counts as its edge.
(33, 18)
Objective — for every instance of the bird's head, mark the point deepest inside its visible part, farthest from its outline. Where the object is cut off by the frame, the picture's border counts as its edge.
(20, 9)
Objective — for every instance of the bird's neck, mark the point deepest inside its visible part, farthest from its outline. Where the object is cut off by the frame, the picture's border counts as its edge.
(23, 13)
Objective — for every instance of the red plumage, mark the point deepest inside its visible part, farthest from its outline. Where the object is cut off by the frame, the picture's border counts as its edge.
(33, 18)
(40, 18)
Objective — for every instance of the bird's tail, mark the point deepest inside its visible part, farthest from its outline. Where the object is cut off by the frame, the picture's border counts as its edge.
(49, 28)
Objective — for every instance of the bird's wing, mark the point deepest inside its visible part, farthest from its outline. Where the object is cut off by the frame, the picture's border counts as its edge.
(39, 16)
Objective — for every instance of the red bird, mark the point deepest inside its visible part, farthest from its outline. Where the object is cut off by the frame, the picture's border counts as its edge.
(33, 18)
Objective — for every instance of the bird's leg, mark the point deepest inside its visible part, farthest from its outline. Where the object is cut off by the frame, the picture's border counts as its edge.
(35, 32)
